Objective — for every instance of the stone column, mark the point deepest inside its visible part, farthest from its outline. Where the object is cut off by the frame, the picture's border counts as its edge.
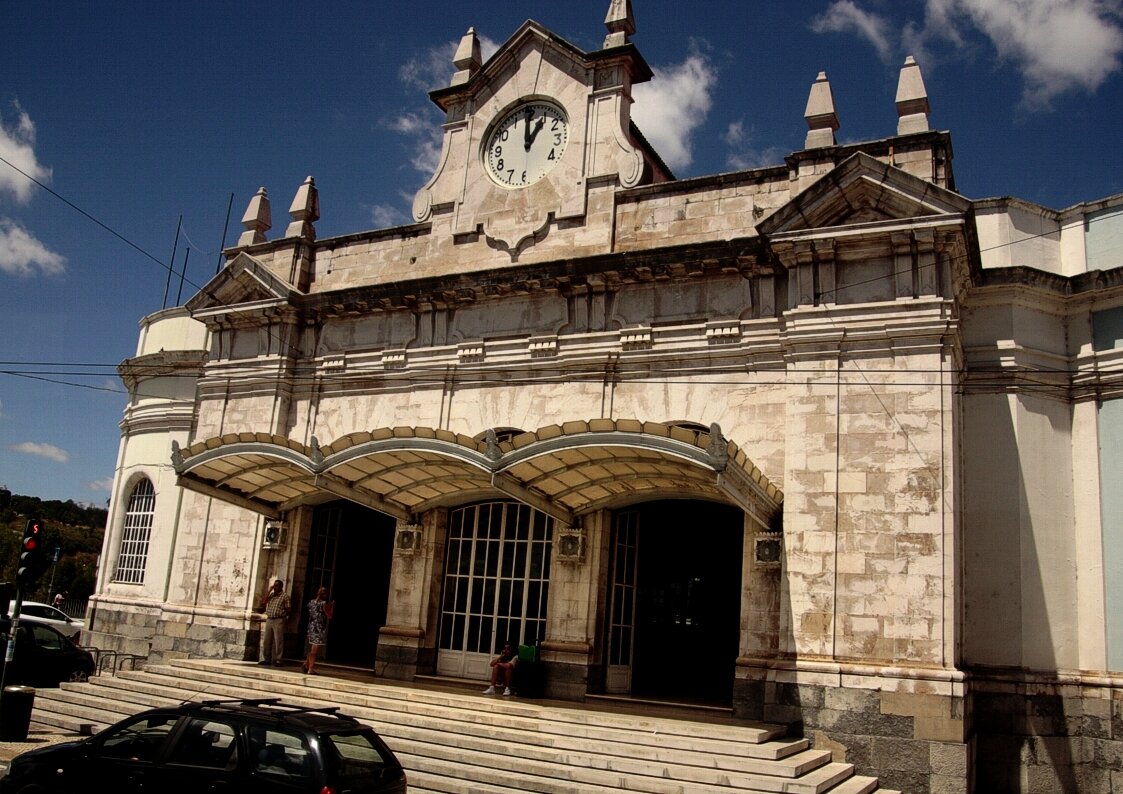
(407, 644)
(570, 649)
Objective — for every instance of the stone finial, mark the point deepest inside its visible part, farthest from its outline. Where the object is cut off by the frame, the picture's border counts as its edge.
(621, 23)
(467, 58)
(257, 220)
(822, 121)
(305, 210)
(912, 99)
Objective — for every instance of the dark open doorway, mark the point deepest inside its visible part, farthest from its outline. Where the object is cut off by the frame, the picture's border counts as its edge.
(687, 600)
(350, 552)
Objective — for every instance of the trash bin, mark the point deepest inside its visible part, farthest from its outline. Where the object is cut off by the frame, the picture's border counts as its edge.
(15, 713)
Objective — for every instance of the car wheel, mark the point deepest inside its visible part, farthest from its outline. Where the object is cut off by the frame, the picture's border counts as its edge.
(79, 676)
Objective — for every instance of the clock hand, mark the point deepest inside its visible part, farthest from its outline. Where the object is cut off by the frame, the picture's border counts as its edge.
(528, 139)
(534, 134)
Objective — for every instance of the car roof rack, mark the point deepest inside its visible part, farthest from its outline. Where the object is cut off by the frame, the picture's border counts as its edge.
(271, 705)
(225, 701)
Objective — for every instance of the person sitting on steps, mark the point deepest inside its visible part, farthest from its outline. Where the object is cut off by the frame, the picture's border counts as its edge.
(503, 670)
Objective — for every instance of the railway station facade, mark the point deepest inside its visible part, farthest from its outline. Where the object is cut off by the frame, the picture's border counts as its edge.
(825, 443)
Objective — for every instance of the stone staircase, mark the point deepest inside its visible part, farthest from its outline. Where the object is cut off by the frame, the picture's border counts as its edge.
(457, 741)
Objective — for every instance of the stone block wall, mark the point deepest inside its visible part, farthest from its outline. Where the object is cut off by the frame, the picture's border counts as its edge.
(1032, 737)
(910, 741)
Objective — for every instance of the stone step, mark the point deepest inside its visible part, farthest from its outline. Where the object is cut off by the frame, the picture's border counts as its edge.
(454, 740)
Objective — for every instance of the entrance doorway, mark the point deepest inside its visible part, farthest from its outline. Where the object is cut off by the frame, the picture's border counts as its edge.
(350, 552)
(496, 584)
(675, 600)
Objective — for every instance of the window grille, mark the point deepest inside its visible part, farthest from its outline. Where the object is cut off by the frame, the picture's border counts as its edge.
(133, 556)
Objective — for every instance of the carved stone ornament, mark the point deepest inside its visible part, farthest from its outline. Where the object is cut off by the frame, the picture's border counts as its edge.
(569, 545)
(768, 549)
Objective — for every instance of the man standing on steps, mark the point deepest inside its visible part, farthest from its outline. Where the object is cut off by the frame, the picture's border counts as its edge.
(276, 607)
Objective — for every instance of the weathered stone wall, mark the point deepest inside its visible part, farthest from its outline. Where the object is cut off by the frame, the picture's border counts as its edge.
(1038, 735)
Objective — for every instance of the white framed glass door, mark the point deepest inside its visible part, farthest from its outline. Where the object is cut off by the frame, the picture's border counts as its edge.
(496, 584)
(622, 603)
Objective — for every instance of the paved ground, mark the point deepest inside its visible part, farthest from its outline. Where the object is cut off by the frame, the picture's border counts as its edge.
(37, 736)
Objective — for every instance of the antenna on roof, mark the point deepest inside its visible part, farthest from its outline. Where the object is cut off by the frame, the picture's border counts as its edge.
(171, 263)
(225, 227)
(183, 275)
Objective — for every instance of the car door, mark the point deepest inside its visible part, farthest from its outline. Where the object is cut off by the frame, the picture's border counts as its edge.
(123, 758)
(280, 761)
(204, 757)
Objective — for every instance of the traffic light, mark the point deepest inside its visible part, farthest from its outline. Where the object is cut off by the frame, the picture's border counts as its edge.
(33, 554)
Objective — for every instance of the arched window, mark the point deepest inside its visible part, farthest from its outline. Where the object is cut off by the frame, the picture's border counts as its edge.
(138, 529)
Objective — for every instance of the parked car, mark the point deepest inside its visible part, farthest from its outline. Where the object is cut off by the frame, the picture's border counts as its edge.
(44, 656)
(45, 613)
(254, 746)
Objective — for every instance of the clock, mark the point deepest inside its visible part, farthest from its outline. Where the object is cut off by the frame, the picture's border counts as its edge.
(525, 144)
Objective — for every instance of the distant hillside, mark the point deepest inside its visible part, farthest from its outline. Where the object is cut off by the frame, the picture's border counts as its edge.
(76, 531)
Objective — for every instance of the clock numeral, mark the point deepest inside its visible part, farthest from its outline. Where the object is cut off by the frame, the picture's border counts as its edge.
(503, 133)
(510, 175)
(499, 165)
(555, 125)
(550, 156)
(524, 176)
(557, 139)
(498, 151)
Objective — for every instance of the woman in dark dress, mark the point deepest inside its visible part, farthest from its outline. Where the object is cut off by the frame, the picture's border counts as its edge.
(319, 613)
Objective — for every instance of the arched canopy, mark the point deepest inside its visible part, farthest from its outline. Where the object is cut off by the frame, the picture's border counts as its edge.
(563, 470)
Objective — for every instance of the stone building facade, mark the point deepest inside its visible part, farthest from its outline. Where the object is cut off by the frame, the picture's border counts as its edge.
(831, 421)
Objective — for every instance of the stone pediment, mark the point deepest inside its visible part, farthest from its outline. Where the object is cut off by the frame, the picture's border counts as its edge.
(591, 94)
(862, 190)
(244, 280)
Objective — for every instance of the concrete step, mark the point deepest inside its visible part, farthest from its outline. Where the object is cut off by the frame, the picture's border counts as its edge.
(455, 740)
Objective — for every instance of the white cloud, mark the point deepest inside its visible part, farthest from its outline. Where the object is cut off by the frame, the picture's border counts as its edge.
(670, 107)
(384, 215)
(1057, 45)
(742, 153)
(431, 69)
(1060, 45)
(49, 451)
(22, 255)
(844, 16)
(104, 485)
(17, 146)
(409, 123)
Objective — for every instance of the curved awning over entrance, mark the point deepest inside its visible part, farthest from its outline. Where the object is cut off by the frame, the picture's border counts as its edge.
(564, 471)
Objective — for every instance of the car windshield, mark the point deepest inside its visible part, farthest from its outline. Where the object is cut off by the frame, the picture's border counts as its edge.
(358, 756)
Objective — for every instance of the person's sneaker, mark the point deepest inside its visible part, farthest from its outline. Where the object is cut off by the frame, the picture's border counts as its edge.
(507, 691)
(489, 691)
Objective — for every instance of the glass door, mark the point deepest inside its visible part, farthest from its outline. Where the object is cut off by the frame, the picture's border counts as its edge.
(622, 603)
(496, 584)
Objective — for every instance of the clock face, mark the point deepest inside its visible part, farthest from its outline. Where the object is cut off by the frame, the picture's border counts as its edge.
(526, 144)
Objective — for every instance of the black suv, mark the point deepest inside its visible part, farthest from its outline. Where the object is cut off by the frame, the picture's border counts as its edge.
(218, 745)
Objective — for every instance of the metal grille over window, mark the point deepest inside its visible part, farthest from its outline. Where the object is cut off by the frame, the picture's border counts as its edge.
(133, 556)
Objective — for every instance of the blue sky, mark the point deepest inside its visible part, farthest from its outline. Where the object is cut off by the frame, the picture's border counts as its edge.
(137, 114)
